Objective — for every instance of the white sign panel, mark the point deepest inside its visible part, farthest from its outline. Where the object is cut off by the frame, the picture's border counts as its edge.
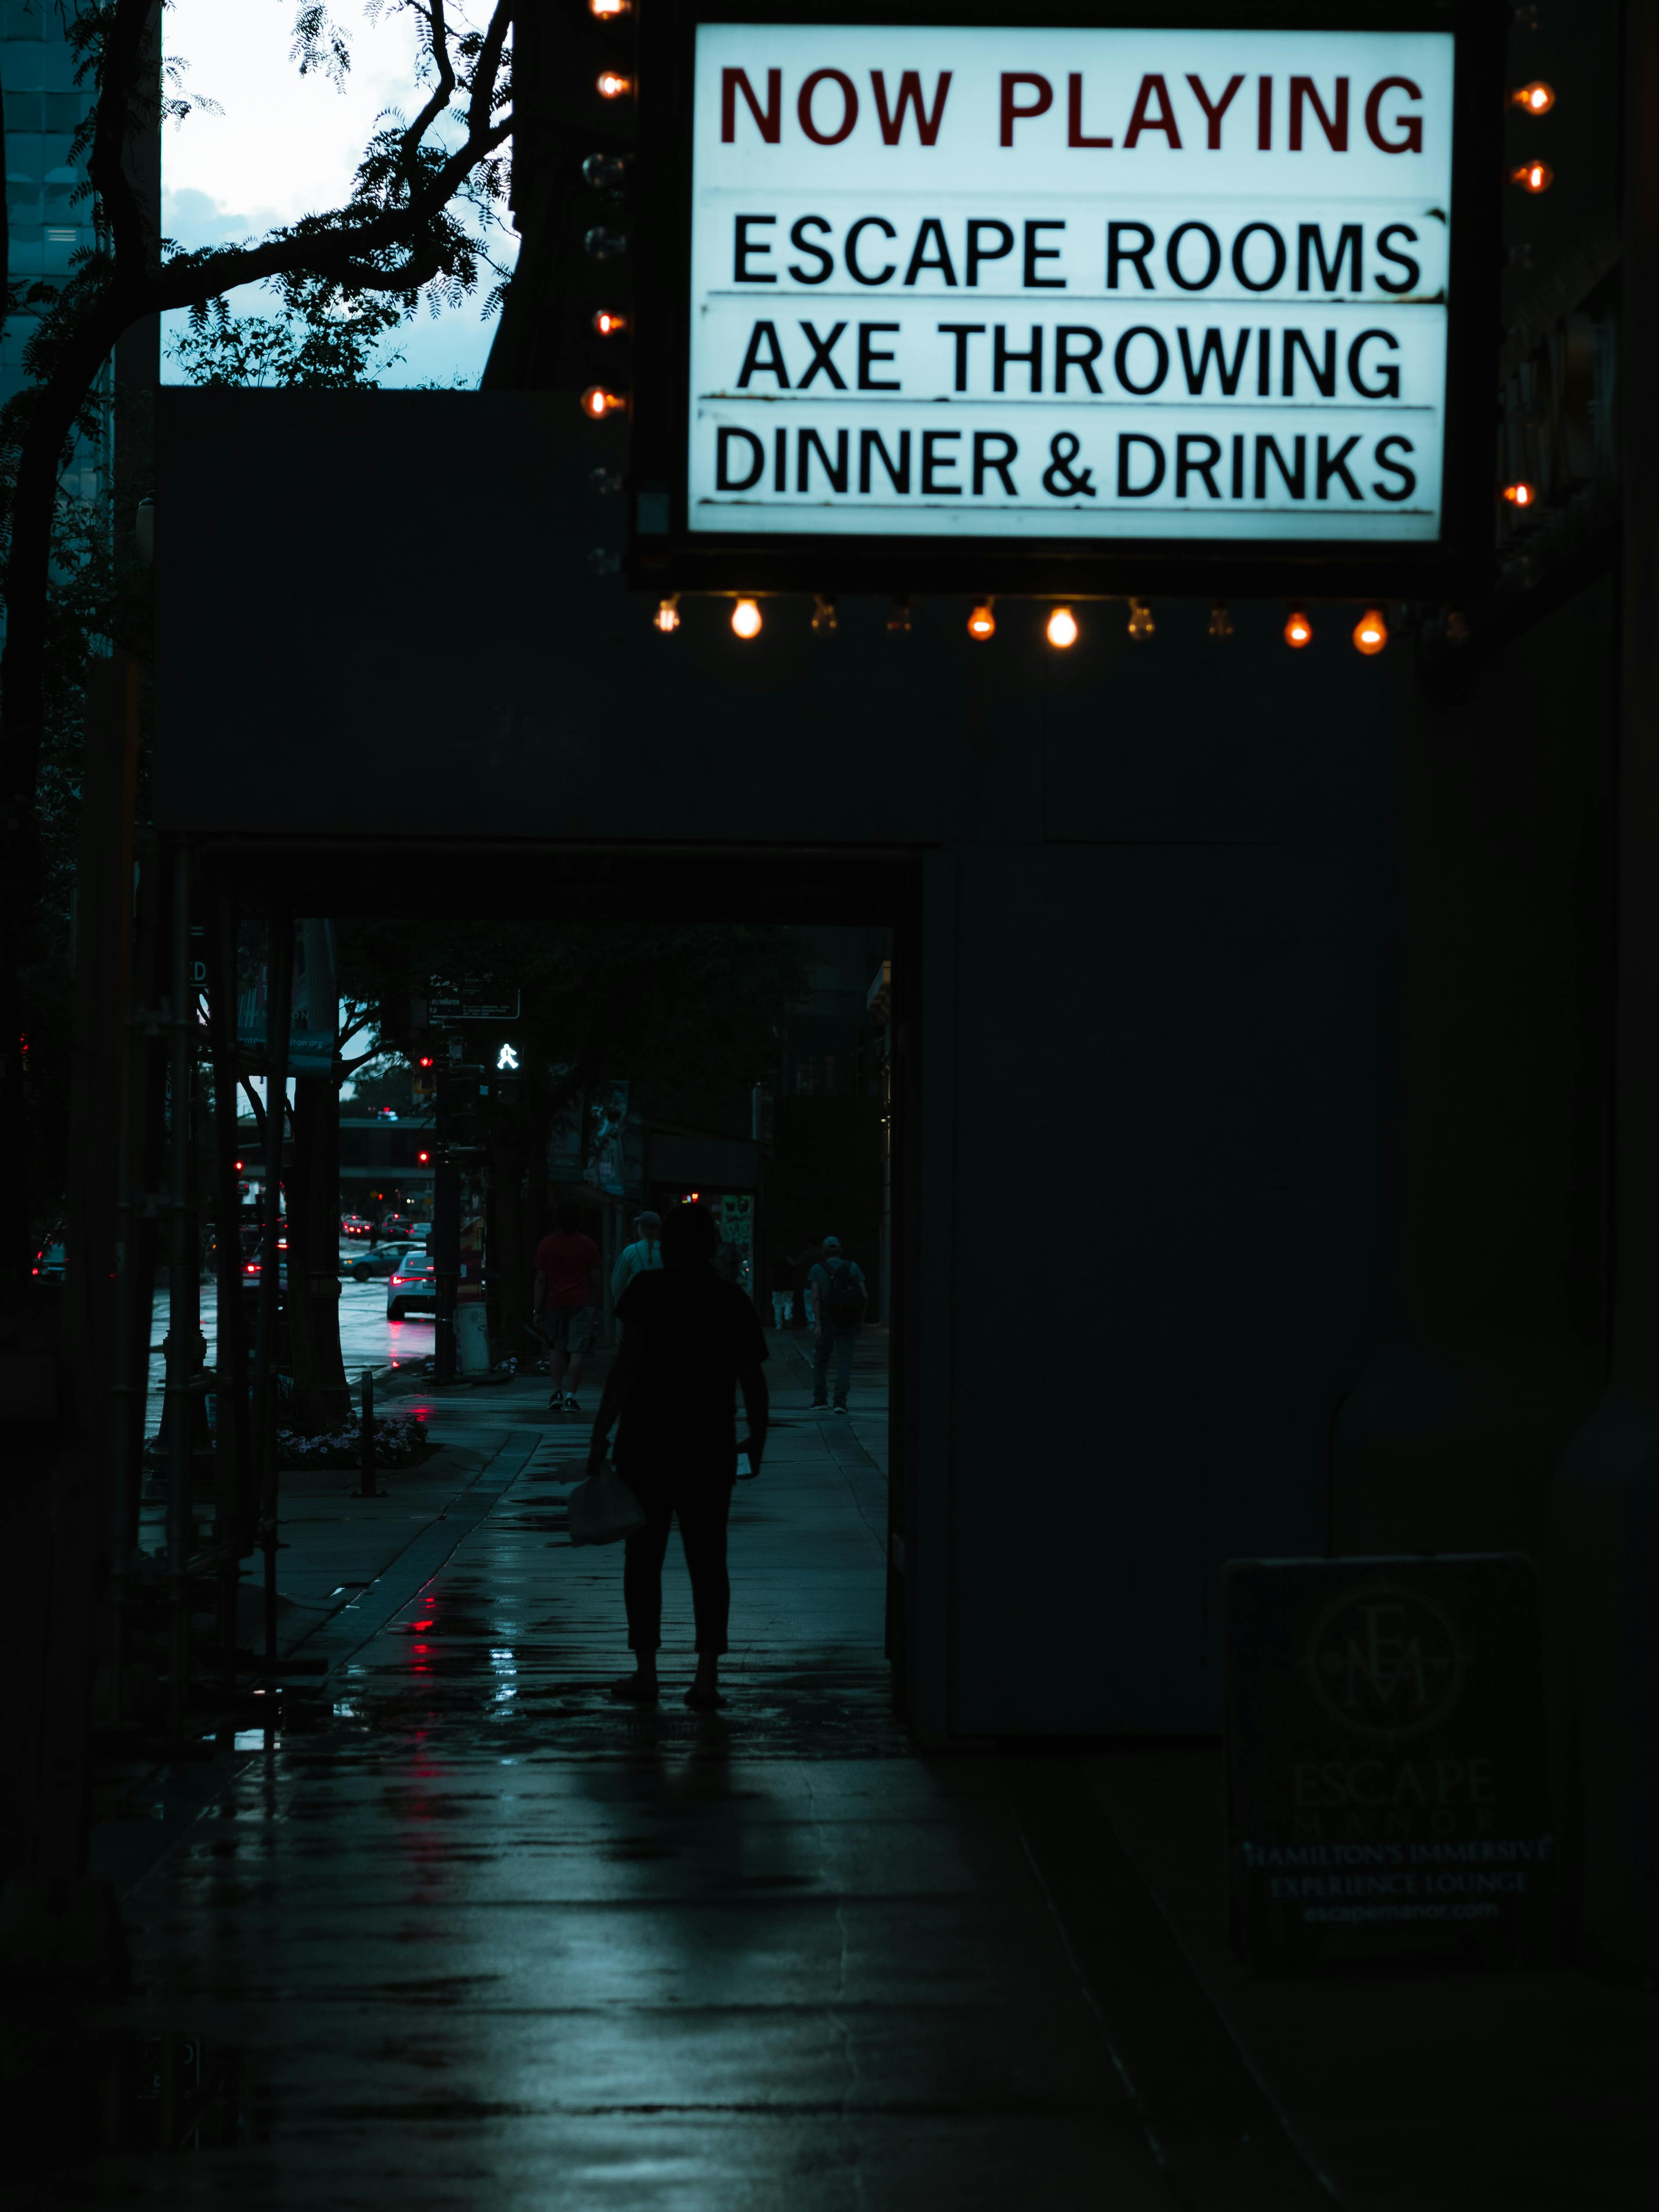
(1069, 284)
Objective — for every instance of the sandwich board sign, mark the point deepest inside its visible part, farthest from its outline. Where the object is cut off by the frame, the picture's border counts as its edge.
(1387, 1787)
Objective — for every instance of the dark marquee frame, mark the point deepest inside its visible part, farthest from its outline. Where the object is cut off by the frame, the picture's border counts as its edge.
(1452, 566)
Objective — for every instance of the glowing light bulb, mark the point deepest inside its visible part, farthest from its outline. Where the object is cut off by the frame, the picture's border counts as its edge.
(610, 325)
(1536, 99)
(1140, 625)
(608, 10)
(823, 612)
(746, 619)
(1062, 628)
(614, 85)
(1371, 632)
(1520, 494)
(1221, 622)
(982, 623)
(1533, 176)
(667, 617)
(598, 402)
(1299, 630)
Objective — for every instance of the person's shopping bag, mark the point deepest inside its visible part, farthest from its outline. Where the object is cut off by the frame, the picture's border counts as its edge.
(603, 1509)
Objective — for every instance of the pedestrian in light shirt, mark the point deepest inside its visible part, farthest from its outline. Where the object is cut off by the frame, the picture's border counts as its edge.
(639, 1258)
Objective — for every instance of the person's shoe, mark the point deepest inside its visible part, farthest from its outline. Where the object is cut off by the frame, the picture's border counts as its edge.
(703, 1701)
(840, 1409)
(636, 1690)
(819, 1406)
(556, 1403)
(570, 1404)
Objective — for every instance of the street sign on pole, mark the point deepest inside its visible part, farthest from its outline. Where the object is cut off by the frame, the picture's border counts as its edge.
(471, 998)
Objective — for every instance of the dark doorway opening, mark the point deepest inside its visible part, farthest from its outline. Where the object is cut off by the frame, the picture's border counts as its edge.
(836, 1153)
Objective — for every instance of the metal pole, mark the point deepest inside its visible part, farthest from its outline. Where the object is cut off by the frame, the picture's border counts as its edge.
(231, 1441)
(446, 1259)
(279, 1000)
(184, 1290)
(368, 1489)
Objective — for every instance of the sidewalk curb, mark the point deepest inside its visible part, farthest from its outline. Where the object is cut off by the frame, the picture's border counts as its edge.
(189, 1792)
(430, 1547)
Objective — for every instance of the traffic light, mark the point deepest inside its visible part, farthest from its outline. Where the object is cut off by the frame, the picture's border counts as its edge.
(423, 1158)
(423, 1081)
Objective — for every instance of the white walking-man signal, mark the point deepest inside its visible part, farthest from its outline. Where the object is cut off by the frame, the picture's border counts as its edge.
(506, 1059)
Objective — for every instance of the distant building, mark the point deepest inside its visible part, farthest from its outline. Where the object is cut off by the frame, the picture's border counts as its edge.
(47, 223)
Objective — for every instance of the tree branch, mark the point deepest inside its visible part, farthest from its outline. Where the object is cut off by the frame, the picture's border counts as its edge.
(335, 252)
(489, 62)
(438, 37)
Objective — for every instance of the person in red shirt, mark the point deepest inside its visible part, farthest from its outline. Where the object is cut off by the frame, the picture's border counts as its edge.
(566, 1301)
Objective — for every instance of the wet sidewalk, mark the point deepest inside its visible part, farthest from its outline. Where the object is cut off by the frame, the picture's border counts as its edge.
(473, 1934)
(487, 1937)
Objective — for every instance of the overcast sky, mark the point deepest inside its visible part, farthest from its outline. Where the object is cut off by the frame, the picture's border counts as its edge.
(286, 145)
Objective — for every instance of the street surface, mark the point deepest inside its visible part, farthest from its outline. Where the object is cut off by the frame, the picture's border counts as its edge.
(367, 1338)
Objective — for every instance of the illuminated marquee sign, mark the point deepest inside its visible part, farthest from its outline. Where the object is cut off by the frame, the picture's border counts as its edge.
(1066, 289)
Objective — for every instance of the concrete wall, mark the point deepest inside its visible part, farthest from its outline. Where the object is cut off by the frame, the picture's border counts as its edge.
(1488, 1343)
(1145, 987)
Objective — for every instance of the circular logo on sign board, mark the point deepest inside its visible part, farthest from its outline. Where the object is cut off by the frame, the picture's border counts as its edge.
(1386, 1662)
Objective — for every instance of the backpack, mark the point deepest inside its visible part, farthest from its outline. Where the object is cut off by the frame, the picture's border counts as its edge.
(844, 1297)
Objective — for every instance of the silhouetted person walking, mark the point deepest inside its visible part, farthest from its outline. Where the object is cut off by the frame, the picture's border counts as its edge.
(690, 1343)
(836, 1297)
(566, 1301)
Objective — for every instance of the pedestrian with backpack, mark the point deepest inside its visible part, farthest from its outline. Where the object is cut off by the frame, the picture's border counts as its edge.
(836, 1295)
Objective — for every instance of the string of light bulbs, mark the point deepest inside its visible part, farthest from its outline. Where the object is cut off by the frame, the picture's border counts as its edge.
(1061, 628)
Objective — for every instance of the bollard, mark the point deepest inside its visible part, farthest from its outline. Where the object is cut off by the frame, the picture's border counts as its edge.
(368, 1489)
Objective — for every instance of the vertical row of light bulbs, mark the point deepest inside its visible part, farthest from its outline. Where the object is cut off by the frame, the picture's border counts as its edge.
(1535, 99)
(605, 172)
